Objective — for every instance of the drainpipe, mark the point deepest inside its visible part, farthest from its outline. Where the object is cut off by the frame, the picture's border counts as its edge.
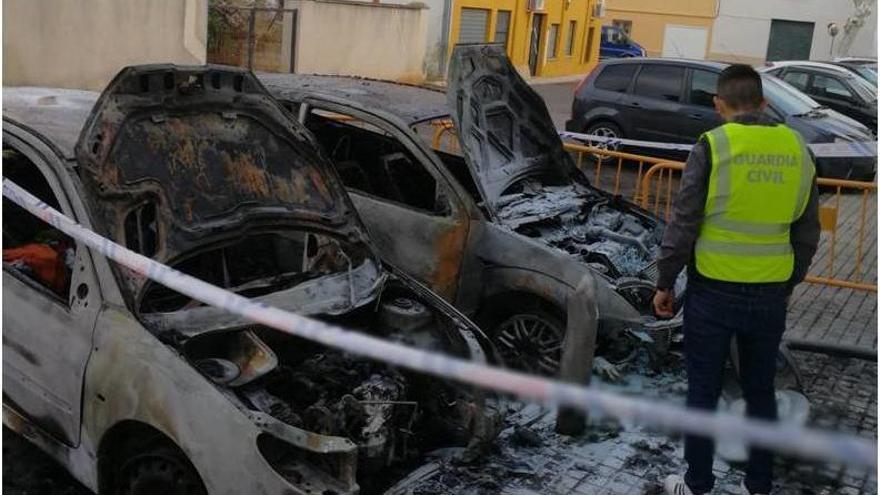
(444, 36)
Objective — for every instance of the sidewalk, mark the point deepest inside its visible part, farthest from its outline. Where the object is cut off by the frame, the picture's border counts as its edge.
(533, 81)
(614, 459)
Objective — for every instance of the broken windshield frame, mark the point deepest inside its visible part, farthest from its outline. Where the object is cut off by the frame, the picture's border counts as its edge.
(306, 271)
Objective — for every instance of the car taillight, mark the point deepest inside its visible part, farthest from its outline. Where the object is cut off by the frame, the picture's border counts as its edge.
(577, 89)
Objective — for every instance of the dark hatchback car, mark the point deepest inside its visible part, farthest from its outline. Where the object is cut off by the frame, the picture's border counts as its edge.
(670, 100)
(833, 86)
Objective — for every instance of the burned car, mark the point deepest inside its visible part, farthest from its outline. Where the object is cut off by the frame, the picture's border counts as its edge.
(507, 228)
(137, 389)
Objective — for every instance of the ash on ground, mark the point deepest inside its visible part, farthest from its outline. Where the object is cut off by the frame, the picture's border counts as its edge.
(530, 458)
(625, 459)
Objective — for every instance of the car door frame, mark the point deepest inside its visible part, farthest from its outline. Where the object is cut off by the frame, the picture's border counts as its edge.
(449, 265)
(849, 108)
(56, 411)
(693, 109)
(809, 90)
(636, 108)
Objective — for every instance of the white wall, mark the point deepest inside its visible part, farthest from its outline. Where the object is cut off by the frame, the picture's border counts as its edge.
(341, 37)
(83, 44)
(742, 30)
(434, 51)
(432, 13)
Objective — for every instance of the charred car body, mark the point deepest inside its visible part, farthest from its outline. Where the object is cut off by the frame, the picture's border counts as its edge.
(135, 388)
(505, 230)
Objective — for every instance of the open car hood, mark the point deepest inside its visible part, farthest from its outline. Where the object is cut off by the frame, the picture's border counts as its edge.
(505, 131)
(173, 157)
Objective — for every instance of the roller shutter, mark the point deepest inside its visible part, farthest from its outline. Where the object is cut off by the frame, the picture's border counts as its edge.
(474, 26)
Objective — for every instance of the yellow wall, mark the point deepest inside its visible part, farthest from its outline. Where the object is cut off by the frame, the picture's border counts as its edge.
(556, 12)
(650, 17)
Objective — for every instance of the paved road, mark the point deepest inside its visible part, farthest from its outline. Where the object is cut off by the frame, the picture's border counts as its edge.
(558, 98)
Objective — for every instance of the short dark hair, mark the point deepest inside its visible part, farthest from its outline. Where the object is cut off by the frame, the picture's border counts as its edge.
(740, 87)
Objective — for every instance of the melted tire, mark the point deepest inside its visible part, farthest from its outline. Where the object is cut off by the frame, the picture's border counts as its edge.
(530, 341)
(162, 470)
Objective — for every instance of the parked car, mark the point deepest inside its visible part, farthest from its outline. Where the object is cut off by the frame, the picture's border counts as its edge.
(137, 389)
(506, 228)
(833, 86)
(867, 70)
(670, 100)
(617, 44)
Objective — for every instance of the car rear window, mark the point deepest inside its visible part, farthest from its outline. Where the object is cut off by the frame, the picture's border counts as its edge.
(616, 77)
(660, 81)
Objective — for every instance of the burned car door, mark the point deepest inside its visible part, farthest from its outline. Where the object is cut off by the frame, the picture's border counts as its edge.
(412, 215)
(51, 298)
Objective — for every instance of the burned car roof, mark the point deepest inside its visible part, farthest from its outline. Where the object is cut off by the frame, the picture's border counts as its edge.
(410, 103)
(57, 114)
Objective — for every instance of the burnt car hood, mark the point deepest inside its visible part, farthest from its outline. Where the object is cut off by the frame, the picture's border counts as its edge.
(505, 131)
(172, 157)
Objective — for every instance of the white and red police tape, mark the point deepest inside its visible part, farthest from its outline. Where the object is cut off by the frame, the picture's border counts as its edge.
(841, 149)
(787, 438)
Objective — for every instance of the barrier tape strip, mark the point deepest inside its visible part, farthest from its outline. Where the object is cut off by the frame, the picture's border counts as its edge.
(789, 438)
(820, 150)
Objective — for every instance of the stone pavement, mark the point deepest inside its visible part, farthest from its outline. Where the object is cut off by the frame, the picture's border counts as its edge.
(630, 460)
(837, 315)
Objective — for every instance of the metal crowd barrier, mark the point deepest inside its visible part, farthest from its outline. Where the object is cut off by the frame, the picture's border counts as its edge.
(841, 260)
(602, 159)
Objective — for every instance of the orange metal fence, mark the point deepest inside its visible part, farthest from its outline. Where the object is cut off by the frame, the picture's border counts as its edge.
(846, 207)
(604, 160)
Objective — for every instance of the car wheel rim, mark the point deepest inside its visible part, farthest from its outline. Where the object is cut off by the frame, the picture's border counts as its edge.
(530, 343)
(605, 132)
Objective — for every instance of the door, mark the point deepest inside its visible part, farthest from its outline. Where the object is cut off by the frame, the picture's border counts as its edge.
(535, 42)
(699, 113)
(656, 103)
(50, 301)
(685, 42)
(790, 40)
(414, 219)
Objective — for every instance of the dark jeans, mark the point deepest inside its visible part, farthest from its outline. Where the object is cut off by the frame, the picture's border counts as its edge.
(714, 312)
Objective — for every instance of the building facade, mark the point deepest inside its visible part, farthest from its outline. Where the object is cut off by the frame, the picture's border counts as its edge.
(543, 38)
(336, 37)
(666, 28)
(748, 31)
(753, 31)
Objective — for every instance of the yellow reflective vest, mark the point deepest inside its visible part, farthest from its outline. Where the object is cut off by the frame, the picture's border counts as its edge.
(760, 182)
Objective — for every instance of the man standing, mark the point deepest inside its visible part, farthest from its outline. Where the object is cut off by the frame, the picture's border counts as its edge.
(745, 222)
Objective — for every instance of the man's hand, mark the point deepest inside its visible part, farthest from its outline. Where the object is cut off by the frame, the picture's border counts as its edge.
(664, 303)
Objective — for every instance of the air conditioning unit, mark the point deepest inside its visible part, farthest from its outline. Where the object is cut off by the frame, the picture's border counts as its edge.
(536, 5)
(599, 9)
